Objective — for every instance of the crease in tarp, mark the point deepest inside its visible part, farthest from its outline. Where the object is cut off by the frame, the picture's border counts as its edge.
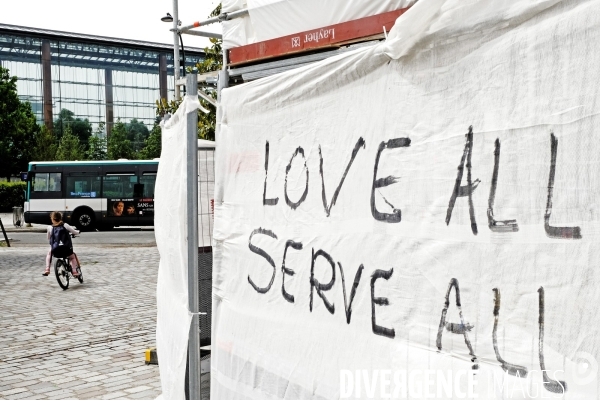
(445, 19)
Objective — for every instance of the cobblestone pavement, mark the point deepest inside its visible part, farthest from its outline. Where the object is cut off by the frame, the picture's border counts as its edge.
(87, 342)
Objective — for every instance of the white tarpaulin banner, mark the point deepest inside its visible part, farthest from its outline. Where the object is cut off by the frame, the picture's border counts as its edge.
(170, 220)
(416, 218)
(270, 19)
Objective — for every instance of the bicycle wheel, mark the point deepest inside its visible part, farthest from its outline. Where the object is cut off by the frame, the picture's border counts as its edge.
(62, 274)
(80, 277)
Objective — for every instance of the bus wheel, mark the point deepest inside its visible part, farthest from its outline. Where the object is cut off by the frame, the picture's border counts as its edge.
(83, 220)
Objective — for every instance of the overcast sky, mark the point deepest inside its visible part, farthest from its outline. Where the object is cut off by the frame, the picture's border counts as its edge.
(127, 19)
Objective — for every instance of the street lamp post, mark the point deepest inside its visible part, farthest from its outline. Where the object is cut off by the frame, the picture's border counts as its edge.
(182, 53)
(175, 20)
(169, 18)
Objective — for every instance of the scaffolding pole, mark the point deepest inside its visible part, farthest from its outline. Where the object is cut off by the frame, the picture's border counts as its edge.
(223, 80)
(203, 34)
(222, 17)
(187, 29)
(176, 48)
(192, 243)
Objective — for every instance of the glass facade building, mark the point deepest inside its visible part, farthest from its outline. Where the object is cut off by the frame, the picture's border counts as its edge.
(97, 78)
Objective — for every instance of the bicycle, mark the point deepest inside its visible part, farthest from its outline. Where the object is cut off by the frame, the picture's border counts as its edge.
(63, 273)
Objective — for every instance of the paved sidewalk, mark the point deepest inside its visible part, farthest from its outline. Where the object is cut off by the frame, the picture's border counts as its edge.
(7, 221)
(86, 342)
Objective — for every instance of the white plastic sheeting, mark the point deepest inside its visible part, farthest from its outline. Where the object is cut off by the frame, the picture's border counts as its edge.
(173, 316)
(238, 31)
(355, 198)
(271, 19)
(206, 190)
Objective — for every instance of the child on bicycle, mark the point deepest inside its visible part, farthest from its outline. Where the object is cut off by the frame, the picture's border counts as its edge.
(56, 218)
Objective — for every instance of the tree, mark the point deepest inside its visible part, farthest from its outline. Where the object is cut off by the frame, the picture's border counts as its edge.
(152, 146)
(137, 133)
(213, 61)
(17, 127)
(44, 147)
(118, 145)
(80, 128)
(97, 145)
(69, 147)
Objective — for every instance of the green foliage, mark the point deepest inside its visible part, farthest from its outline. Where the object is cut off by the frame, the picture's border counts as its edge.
(97, 145)
(213, 61)
(152, 145)
(44, 147)
(80, 128)
(12, 194)
(166, 107)
(17, 127)
(137, 133)
(207, 123)
(216, 12)
(118, 145)
(69, 147)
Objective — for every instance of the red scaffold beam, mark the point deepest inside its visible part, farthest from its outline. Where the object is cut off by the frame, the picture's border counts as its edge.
(329, 36)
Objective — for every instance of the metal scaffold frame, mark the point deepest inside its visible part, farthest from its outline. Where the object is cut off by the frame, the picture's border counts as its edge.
(189, 30)
(349, 40)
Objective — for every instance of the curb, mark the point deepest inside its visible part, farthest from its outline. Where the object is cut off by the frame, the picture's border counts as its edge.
(151, 356)
(20, 230)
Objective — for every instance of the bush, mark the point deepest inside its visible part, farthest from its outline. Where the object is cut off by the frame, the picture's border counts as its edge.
(12, 194)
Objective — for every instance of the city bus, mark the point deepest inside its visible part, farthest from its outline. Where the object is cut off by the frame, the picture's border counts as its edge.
(92, 194)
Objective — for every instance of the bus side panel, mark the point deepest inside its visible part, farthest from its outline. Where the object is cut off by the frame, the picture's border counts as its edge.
(39, 210)
(94, 203)
(101, 216)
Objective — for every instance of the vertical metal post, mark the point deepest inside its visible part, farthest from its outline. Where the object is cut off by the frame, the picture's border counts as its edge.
(47, 84)
(176, 48)
(108, 97)
(223, 81)
(162, 76)
(192, 242)
(4, 232)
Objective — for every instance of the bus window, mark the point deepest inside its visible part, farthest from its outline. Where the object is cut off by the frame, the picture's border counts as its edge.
(46, 182)
(83, 186)
(148, 180)
(118, 186)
